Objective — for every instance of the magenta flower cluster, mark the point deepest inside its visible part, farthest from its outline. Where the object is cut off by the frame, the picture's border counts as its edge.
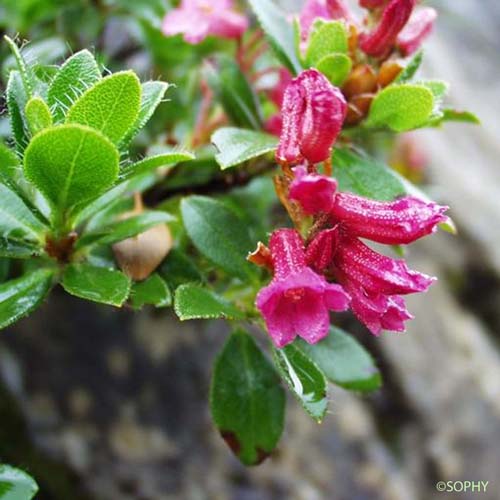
(334, 269)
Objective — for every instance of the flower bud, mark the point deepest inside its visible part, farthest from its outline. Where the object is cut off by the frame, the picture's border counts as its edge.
(372, 4)
(140, 255)
(381, 40)
(313, 112)
(362, 80)
(418, 28)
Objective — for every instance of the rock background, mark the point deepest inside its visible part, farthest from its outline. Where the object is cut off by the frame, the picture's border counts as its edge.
(104, 404)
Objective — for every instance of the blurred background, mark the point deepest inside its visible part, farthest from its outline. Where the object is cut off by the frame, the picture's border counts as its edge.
(99, 403)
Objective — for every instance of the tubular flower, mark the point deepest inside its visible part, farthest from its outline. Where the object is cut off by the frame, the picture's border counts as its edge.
(297, 301)
(393, 223)
(321, 9)
(374, 281)
(381, 40)
(314, 192)
(416, 31)
(197, 19)
(313, 112)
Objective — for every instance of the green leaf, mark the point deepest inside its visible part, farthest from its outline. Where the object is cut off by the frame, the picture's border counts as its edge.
(219, 234)
(21, 296)
(110, 106)
(153, 291)
(411, 68)
(279, 32)
(16, 219)
(235, 93)
(366, 177)
(196, 302)
(71, 164)
(343, 361)
(152, 94)
(247, 400)
(439, 88)
(335, 67)
(153, 162)
(15, 484)
(76, 75)
(452, 115)
(98, 284)
(178, 268)
(18, 249)
(121, 230)
(17, 98)
(326, 38)
(25, 72)
(401, 107)
(305, 380)
(9, 164)
(236, 145)
(37, 115)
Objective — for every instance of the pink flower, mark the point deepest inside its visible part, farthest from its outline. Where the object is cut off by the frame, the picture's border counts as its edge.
(197, 19)
(374, 281)
(321, 9)
(313, 112)
(381, 40)
(394, 223)
(314, 192)
(416, 31)
(297, 300)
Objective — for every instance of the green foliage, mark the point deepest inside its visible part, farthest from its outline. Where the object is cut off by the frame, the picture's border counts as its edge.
(17, 98)
(343, 361)
(219, 234)
(278, 31)
(246, 399)
(73, 78)
(98, 284)
(236, 146)
(70, 164)
(16, 484)
(196, 302)
(335, 67)
(152, 291)
(410, 69)
(235, 93)
(365, 176)
(110, 106)
(401, 107)
(152, 162)
(326, 38)
(20, 296)
(37, 115)
(305, 380)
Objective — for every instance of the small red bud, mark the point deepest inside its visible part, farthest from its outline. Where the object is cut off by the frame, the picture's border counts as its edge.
(380, 41)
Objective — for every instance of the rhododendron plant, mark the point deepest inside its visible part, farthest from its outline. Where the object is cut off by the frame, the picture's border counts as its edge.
(255, 195)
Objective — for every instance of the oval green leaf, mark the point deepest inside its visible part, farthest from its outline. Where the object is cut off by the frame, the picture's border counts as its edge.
(196, 302)
(335, 67)
(326, 38)
(98, 284)
(401, 107)
(343, 361)
(236, 145)
(110, 106)
(305, 380)
(219, 234)
(37, 115)
(152, 291)
(71, 164)
(21, 296)
(15, 484)
(247, 400)
(75, 76)
(152, 162)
